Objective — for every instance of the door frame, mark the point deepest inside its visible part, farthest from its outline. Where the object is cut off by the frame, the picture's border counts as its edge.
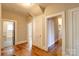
(31, 30)
(62, 13)
(70, 20)
(14, 29)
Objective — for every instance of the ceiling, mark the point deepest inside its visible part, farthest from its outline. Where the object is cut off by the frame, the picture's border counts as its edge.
(44, 5)
(34, 9)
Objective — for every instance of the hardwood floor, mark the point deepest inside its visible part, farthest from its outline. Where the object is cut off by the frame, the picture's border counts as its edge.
(39, 52)
(56, 49)
(26, 50)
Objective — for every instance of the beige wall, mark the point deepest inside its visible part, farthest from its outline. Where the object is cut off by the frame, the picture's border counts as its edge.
(37, 31)
(20, 22)
(0, 29)
(39, 38)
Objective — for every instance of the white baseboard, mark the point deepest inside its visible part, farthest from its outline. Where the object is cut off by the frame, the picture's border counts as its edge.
(16, 43)
(20, 42)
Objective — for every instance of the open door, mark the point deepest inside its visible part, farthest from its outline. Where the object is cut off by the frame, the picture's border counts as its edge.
(8, 34)
(55, 35)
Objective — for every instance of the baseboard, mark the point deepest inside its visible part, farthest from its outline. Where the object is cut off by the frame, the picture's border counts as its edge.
(16, 43)
(20, 42)
(39, 48)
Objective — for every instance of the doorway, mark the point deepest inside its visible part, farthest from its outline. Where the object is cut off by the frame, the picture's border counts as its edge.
(8, 34)
(56, 33)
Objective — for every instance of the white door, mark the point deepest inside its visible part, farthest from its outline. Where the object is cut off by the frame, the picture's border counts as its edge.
(74, 34)
(37, 32)
(8, 28)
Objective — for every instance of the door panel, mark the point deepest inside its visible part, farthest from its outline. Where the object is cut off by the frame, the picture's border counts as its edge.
(75, 33)
(74, 37)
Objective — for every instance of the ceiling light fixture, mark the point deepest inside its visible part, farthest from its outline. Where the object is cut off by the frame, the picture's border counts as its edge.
(27, 4)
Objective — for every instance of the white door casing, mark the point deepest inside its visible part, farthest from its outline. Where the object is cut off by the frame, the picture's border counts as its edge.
(73, 31)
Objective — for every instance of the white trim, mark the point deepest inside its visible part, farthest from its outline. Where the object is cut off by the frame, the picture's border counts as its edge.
(20, 42)
(16, 43)
(74, 9)
(70, 31)
(70, 15)
(63, 37)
